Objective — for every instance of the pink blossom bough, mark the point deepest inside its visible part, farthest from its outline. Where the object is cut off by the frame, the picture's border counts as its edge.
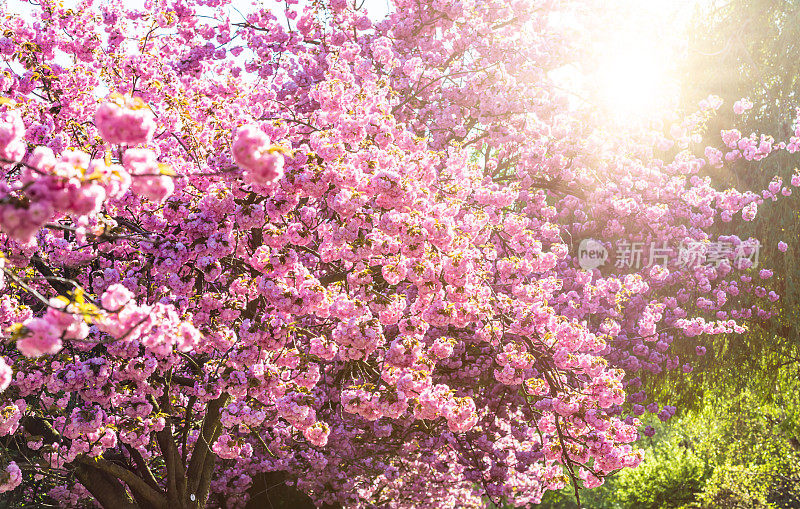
(337, 251)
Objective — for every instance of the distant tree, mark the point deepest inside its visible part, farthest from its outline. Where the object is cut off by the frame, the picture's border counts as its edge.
(747, 49)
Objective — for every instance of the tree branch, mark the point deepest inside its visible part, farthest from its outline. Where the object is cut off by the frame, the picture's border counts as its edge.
(204, 442)
(155, 497)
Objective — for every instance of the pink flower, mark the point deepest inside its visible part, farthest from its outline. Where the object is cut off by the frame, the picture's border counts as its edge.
(782, 246)
(741, 106)
(188, 337)
(12, 131)
(42, 159)
(749, 211)
(6, 374)
(317, 434)
(413, 68)
(72, 326)
(731, 137)
(139, 161)
(115, 297)
(155, 188)
(323, 349)
(125, 121)
(147, 177)
(11, 478)
(42, 338)
(253, 152)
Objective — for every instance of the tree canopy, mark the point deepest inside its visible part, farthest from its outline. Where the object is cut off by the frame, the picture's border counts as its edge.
(346, 252)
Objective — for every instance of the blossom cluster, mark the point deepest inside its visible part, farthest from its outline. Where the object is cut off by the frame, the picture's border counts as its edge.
(340, 251)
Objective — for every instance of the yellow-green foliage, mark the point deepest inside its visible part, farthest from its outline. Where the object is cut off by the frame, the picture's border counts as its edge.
(736, 451)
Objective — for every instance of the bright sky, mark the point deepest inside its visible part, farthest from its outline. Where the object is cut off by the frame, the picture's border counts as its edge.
(637, 76)
(636, 52)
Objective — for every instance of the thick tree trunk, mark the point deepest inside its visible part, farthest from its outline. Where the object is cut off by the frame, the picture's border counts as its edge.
(106, 489)
(269, 490)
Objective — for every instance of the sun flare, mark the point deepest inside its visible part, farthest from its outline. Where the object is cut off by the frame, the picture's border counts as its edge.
(628, 73)
(634, 82)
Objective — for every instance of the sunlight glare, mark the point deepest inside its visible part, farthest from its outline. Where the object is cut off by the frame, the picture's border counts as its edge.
(634, 82)
(635, 76)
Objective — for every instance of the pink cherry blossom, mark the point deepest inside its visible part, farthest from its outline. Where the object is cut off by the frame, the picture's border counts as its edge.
(10, 478)
(341, 251)
(252, 150)
(125, 121)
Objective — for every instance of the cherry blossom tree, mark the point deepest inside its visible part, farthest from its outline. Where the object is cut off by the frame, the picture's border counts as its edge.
(303, 242)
